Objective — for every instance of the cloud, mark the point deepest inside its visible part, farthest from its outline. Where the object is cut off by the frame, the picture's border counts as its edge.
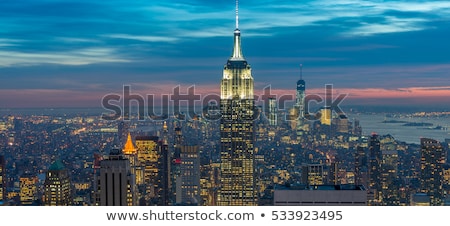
(391, 25)
(360, 45)
(74, 57)
(143, 38)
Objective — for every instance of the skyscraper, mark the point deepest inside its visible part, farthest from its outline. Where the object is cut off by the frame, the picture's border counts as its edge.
(164, 180)
(28, 189)
(148, 157)
(361, 167)
(115, 184)
(237, 129)
(300, 101)
(2, 179)
(431, 174)
(389, 179)
(57, 190)
(375, 158)
(190, 176)
(313, 174)
(130, 153)
(176, 164)
(273, 119)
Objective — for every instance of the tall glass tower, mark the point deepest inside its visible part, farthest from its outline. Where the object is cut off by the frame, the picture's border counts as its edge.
(237, 130)
(300, 98)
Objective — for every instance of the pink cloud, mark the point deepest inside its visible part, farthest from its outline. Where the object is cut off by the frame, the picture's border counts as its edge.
(70, 98)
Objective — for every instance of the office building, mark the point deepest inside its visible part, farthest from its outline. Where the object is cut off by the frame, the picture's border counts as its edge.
(28, 189)
(57, 187)
(190, 176)
(115, 183)
(237, 107)
(375, 158)
(431, 174)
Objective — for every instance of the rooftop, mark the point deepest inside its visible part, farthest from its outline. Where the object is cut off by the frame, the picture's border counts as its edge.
(57, 165)
(323, 187)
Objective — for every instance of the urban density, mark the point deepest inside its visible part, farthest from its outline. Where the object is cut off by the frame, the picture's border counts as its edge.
(251, 155)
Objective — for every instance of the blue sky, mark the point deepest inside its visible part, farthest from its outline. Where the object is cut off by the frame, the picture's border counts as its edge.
(57, 53)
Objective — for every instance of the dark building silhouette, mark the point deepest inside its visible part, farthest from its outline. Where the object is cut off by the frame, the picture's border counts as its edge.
(115, 182)
(375, 158)
(361, 170)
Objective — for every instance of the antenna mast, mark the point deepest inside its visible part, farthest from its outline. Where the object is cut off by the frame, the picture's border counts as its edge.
(301, 71)
(237, 14)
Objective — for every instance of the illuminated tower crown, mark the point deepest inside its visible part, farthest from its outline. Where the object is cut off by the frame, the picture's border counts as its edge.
(129, 148)
(237, 81)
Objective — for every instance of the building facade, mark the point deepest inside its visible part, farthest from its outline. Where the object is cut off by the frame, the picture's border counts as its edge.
(115, 183)
(190, 176)
(375, 158)
(431, 174)
(237, 107)
(2, 179)
(57, 187)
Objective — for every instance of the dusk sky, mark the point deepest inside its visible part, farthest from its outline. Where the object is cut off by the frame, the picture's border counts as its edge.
(56, 53)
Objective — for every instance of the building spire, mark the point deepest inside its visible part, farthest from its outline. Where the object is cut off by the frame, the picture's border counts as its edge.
(237, 14)
(237, 51)
(301, 71)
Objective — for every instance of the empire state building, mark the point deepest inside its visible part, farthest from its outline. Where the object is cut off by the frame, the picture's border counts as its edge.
(237, 130)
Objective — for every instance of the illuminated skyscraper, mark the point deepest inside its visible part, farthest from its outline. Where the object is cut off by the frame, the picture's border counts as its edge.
(431, 174)
(2, 179)
(313, 174)
(375, 158)
(148, 157)
(57, 190)
(237, 130)
(389, 179)
(300, 101)
(326, 114)
(176, 165)
(115, 184)
(28, 189)
(273, 111)
(130, 153)
(190, 176)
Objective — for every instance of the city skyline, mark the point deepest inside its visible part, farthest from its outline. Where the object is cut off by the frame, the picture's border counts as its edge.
(260, 150)
(71, 54)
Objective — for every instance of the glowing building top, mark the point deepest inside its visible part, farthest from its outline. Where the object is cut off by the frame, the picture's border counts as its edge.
(237, 82)
(129, 148)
